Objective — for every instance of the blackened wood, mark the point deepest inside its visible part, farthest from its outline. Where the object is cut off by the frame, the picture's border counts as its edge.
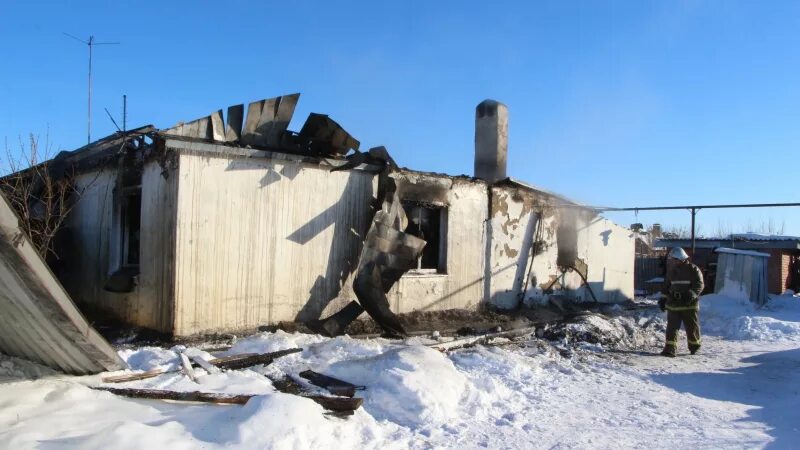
(338, 404)
(264, 358)
(225, 359)
(333, 385)
(194, 396)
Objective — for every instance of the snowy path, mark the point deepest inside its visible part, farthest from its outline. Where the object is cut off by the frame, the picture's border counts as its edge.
(736, 394)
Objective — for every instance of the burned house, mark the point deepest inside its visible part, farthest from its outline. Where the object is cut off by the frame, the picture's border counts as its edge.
(222, 225)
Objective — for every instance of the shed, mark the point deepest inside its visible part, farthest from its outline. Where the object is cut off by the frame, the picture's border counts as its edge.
(742, 273)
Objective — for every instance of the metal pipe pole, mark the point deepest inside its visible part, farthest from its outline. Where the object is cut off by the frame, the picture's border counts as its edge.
(662, 208)
(694, 211)
(89, 109)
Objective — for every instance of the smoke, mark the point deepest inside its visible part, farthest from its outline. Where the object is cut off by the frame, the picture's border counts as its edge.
(567, 237)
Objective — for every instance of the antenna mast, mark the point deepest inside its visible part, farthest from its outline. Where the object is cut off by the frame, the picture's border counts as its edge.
(90, 43)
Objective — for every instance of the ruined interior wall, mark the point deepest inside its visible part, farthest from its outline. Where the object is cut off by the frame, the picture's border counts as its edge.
(462, 286)
(262, 241)
(515, 216)
(605, 248)
(83, 243)
(90, 248)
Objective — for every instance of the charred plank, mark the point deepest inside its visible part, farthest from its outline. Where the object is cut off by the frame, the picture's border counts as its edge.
(193, 396)
(249, 361)
(342, 405)
(333, 385)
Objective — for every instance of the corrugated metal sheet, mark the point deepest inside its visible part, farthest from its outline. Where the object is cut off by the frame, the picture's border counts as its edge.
(763, 237)
(645, 269)
(38, 320)
(742, 272)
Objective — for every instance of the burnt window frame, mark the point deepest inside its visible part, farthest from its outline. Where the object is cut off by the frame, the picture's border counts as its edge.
(126, 211)
(442, 213)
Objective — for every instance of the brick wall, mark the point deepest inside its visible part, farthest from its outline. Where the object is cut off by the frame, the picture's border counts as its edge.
(786, 262)
(778, 279)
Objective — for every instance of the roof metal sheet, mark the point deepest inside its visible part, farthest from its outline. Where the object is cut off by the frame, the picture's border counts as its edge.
(38, 320)
(734, 251)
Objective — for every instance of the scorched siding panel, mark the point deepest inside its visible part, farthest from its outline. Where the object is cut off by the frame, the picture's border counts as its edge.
(263, 241)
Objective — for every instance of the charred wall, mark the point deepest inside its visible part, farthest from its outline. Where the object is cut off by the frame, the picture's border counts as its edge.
(460, 283)
(532, 241)
(91, 241)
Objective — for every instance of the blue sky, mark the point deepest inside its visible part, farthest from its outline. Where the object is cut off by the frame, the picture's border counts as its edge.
(611, 103)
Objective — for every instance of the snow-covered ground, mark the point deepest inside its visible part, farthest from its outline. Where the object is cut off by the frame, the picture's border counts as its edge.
(740, 392)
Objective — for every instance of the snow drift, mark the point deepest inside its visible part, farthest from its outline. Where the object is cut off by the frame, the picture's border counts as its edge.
(734, 316)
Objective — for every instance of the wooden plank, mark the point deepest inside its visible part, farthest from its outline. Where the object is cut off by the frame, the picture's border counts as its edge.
(194, 396)
(233, 131)
(207, 366)
(225, 359)
(214, 364)
(475, 340)
(187, 367)
(217, 127)
(338, 404)
(134, 376)
(264, 358)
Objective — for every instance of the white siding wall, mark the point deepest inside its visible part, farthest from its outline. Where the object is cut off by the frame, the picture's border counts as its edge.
(262, 241)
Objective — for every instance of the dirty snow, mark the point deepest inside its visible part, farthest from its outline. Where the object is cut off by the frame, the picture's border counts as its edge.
(740, 392)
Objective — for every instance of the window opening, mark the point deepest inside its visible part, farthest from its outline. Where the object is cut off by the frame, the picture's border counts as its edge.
(131, 221)
(428, 222)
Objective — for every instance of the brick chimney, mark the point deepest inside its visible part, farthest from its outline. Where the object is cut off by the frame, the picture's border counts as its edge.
(491, 140)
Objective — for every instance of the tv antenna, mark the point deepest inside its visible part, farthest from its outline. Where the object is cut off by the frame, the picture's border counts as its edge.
(90, 43)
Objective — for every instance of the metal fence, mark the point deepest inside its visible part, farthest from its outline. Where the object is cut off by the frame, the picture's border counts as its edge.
(646, 268)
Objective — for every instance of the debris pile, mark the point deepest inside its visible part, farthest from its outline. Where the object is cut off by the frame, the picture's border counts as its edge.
(640, 330)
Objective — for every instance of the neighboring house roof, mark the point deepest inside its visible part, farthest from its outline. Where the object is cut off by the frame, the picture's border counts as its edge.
(763, 237)
(736, 241)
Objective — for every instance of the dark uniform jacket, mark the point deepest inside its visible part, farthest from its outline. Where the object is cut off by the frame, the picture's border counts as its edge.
(682, 287)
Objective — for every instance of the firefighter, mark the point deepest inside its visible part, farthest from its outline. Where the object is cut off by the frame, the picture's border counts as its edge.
(680, 298)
